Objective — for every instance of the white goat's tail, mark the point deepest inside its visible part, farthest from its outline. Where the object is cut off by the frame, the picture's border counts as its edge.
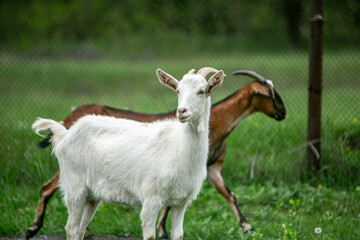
(58, 130)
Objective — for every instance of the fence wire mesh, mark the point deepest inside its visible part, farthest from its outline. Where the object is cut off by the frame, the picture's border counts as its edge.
(56, 56)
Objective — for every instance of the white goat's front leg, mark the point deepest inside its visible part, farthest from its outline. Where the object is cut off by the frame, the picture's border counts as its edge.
(177, 221)
(88, 213)
(148, 216)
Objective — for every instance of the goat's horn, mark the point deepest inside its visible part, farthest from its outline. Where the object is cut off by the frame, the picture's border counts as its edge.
(191, 71)
(252, 74)
(206, 70)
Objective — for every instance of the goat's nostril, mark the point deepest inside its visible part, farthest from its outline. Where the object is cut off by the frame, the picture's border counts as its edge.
(181, 110)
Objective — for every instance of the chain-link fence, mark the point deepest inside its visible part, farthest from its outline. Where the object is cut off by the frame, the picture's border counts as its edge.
(56, 56)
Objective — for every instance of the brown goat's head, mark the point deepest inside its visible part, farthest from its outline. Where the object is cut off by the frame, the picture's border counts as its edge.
(265, 98)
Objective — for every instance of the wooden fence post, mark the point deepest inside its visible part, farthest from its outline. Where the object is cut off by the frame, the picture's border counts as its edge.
(315, 86)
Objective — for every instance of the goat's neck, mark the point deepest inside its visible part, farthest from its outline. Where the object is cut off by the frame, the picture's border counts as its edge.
(226, 115)
(201, 126)
(195, 142)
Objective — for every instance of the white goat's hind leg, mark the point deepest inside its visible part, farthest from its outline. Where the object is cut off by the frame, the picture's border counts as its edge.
(148, 216)
(177, 221)
(75, 210)
(75, 201)
(88, 213)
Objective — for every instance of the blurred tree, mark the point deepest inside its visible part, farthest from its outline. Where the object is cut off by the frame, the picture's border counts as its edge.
(293, 11)
(41, 20)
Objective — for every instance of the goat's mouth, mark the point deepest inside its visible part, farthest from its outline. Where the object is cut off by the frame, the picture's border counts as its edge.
(184, 118)
(280, 116)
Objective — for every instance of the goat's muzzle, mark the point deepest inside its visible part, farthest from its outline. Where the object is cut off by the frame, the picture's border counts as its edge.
(182, 114)
(280, 114)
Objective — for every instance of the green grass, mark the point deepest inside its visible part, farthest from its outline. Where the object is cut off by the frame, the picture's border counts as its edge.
(280, 193)
(300, 207)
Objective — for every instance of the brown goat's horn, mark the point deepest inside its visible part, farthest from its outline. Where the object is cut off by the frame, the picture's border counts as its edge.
(252, 74)
(206, 70)
(192, 71)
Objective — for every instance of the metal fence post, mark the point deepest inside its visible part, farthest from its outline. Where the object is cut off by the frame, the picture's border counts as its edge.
(315, 86)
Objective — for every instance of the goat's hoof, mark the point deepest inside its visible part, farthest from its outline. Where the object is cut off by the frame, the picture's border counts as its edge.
(249, 230)
(32, 231)
(162, 232)
(88, 234)
(163, 235)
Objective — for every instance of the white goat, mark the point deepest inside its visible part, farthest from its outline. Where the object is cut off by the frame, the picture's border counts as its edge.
(123, 161)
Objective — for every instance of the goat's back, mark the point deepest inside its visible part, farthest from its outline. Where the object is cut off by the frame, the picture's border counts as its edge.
(125, 161)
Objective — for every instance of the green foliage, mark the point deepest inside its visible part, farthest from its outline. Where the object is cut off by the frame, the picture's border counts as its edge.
(276, 213)
(24, 22)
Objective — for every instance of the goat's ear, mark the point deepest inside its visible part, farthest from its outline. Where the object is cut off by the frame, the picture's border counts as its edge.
(214, 82)
(167, 79)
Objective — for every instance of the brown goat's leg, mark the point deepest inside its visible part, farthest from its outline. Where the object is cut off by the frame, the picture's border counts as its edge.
(161, 226)
(88, 234)
(216, 180)
(47, 190)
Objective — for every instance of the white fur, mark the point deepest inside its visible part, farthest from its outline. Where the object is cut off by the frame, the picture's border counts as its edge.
(270, 83)
(140, 164)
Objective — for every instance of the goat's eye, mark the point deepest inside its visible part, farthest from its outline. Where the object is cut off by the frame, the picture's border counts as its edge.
(201, 92)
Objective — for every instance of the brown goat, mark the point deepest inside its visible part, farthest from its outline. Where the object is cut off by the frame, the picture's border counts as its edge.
(257, 96)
